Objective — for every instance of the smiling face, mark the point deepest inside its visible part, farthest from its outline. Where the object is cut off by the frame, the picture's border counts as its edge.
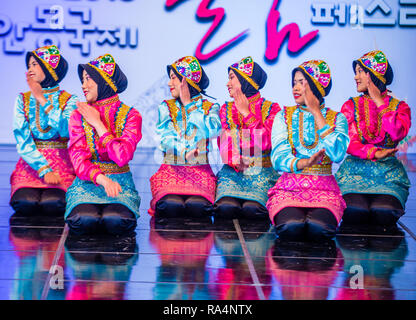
(360, 78)
(89, 87)
(174, 84)
(299, 81)
(35, 71)
(233, 84)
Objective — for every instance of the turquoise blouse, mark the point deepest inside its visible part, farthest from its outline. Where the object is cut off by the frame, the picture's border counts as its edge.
(182, 128)
(35, 122)
(334, 139)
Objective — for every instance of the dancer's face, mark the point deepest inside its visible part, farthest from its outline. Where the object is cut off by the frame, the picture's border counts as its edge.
(299, 82)
(360, 79)
(35, 71)
(174, 85)
(89, 87)
(233, 84)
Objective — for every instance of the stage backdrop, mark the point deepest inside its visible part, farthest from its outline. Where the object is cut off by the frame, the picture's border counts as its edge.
(146, 35)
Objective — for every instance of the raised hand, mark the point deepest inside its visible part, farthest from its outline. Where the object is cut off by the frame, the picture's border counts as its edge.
(374, 92)
(311, 101)
(92, 116)
(36, 89)
(242, 103)
(184, 94)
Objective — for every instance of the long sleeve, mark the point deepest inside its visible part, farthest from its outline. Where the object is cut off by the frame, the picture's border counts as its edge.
(335, 140)
(121, 150)
(208, 124)
(396, 123)
(356, 147)
(79, 151)
(170, 141)
(259, 132)
(59, 119)
(25, 144)
(281, 156)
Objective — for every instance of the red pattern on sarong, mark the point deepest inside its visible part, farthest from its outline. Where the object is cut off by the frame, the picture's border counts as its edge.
(306, 191)
(24, 176)
(183, 180)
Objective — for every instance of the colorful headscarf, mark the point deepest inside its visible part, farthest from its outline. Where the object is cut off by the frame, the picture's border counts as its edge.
(107, 74)
(52, 63)
(318, 75)
(252, 77)
(379, 67)
(190, 68)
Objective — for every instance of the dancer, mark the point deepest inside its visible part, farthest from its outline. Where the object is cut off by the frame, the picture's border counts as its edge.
(374, 183)
(104, 134)
(40, 126)
(306, 202)
(245, 145)
(184, 185)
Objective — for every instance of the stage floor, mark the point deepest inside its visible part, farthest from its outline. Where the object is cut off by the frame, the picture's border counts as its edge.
(185, 259)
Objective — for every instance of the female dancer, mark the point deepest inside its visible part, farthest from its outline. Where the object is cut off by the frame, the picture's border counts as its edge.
(373, 182)
(40, 126)
(184, 185)
(245, 145)
(104, 134)
(306, 202)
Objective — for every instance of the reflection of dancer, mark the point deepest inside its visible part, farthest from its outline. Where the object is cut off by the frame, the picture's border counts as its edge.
(36, 249)
(40, 126)
(101, 267)
(304, 272)
(245, 145)
(104, 133)
(185, 183)
(183, 273)
(373, 181)
(306, 201)
(379, 257)
(233, 281)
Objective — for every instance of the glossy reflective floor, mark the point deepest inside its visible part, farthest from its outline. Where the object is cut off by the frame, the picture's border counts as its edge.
(188, 259)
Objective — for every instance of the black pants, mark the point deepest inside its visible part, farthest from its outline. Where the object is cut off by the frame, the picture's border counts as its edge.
(88, 218)
(376, 209)
(174, 206)
(231, 208)
(310, 224)
(38, 201)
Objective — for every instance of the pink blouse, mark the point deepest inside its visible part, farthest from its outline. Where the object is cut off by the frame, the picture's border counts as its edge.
(373, 128)
(246, 136)
(88, 151)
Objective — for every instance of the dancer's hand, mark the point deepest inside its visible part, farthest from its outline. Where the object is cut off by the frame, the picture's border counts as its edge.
(384, 153)
(184, 94)
(52, 178)
(374, 92)
(314, 159)
(36, 89)
(311, 101)
(242, 103)
(92, 116)
(191, 155)
(112, 188)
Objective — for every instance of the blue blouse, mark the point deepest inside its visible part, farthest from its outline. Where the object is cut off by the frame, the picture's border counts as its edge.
(306, 141)
(33, 121)
(183, 128)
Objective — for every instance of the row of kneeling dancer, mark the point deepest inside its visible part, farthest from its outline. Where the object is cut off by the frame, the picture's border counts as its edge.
(74, 156)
